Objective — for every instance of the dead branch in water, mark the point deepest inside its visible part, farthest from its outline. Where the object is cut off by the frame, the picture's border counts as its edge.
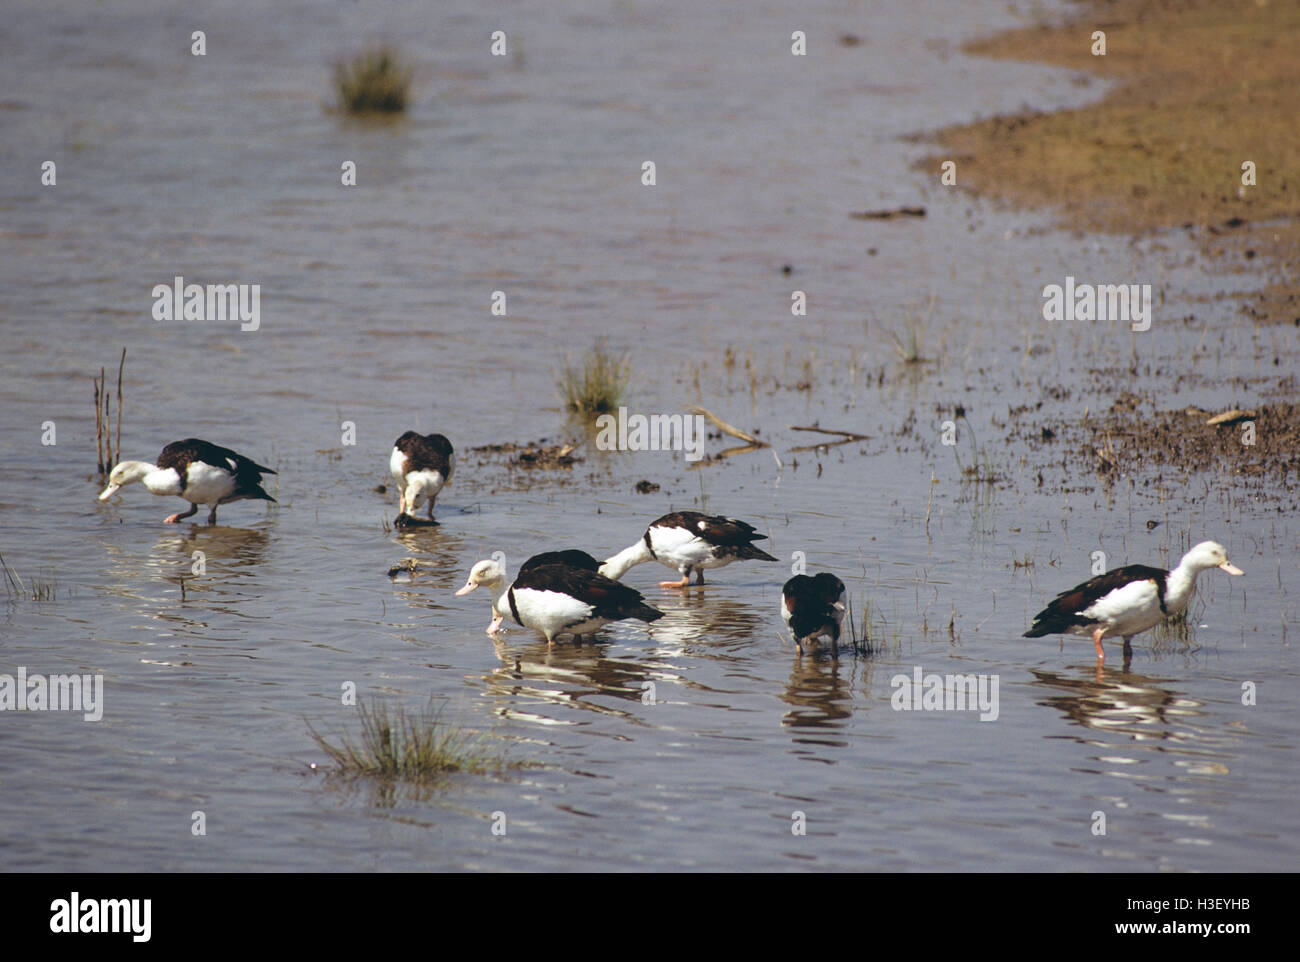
(1231, 417)
(726, 453)
(888, 214)
(820, 446)
(848, 435)
(726, 428)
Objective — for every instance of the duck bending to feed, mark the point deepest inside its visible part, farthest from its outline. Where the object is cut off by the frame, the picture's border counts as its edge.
(199, 472)
(421, 465)
(1127, 601)
(813, 607)
(557, 599)
(689, 541)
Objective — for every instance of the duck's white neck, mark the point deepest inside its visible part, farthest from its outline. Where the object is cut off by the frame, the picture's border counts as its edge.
(629, 557)
(500, 603)
(158, 482)
(1181, 584)
(133, 471)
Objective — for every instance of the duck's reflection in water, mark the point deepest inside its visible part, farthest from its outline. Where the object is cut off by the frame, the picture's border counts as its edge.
(703, 622)
(1121, 702)
(1148, 739)
(193, 576)
(1136, 720)
(434, 557)
(185, 553)
(820, 689)
(585, 675)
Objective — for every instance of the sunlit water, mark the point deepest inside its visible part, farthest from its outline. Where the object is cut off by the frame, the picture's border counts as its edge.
(523, 174)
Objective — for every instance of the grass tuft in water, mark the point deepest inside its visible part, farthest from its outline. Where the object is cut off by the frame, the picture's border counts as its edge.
(909, 346)
(373, 82)
(870, 631)
(419, 747)
(38, 590)
(598, 384)
(982, 469)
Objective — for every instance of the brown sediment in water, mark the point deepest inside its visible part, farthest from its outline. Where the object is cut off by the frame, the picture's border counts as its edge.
(1201, 87)
(1256, 450)
(534, 454)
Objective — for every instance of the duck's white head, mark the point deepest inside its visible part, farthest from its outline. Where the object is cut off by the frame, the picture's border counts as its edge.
(128, 472)
(1210, 554)
(488, 573)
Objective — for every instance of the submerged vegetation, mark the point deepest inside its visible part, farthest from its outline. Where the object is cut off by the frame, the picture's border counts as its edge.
(598, 384)
(419, 747)
(374, 82)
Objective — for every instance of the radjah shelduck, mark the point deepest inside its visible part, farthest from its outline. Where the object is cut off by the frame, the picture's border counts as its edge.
(199, 472)
(571, 557)
(813, 607)
(556, 598)
(689, 542)
(1127, 601)
(421, 464)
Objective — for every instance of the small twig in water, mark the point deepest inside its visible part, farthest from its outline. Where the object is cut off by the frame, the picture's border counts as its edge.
(724, 427)
(851, 435)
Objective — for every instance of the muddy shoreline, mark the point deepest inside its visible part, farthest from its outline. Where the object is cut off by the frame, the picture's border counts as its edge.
(1158, 157)
(1164, 149)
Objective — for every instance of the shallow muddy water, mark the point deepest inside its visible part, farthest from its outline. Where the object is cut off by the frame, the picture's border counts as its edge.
(523, 174)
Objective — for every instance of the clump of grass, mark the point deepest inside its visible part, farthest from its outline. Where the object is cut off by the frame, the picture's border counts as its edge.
(38, 590)
(869, 630)
(419, 747)
(909, 346)
(598, 384)
(14, 586)
(983, 468)
(44, 590)
(859, 636)
(373, 82)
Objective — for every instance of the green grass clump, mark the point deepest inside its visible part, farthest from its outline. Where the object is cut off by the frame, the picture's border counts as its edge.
(418, 747)
(374, 82)
(597, 385)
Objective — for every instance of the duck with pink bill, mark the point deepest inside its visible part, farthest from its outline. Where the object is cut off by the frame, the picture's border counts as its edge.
(558, 597)
(199, 472)
(1127, 601)
(689, 542)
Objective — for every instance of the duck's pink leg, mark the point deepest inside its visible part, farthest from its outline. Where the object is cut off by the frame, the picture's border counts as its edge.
(1096, 640)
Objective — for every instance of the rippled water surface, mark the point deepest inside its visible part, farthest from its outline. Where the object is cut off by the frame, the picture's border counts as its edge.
(522, 174)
